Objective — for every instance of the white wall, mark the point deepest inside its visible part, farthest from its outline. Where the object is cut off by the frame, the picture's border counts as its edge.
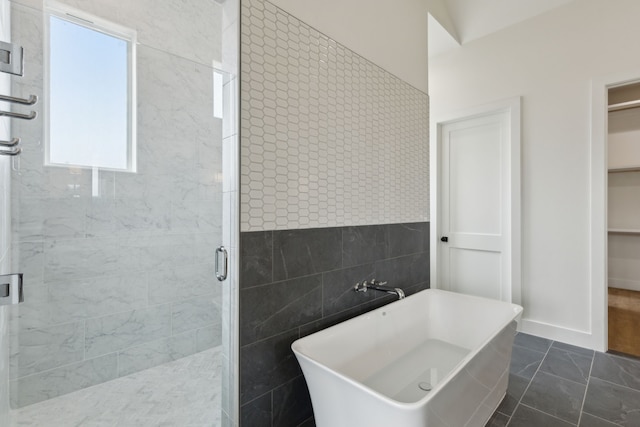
(475, 19)
(550, 61)
(391, 34)
(439, 10)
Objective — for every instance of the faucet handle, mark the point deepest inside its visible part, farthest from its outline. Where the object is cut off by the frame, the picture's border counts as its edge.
(377, 282)
(360, 287)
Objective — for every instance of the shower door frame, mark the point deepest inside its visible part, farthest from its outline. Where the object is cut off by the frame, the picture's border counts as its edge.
(5, 224)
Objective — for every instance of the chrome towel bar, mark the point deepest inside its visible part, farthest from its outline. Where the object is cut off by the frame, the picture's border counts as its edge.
(12, 143)
(32, 115)
(13, 152)
(11, 62)
(31, 101)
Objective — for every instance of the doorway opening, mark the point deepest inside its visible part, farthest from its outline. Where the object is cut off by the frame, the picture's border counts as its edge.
(623, 218)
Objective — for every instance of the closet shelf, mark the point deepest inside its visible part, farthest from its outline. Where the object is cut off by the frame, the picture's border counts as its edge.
(624, 231)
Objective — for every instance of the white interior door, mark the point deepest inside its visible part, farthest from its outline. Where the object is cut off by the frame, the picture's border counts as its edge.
(475, 215)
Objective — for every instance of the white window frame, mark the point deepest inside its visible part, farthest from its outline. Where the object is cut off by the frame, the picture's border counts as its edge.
(78, 17)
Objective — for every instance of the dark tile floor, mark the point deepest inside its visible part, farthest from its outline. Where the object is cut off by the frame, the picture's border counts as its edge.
(552, 384)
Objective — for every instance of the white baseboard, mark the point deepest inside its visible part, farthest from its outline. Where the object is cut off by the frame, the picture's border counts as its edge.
(631, 285)
(558, 333)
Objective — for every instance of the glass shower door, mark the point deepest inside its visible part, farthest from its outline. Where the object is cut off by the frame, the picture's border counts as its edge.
(125, 187)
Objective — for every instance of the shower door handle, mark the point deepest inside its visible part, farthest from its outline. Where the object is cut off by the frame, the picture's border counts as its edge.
(225, 257)
(11, 289)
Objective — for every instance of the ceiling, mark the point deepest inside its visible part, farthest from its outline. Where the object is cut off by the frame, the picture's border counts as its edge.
(469, 20)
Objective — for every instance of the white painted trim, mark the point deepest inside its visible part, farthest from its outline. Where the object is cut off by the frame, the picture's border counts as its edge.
(556, 333)
(516, 200)
(434, 196)
(513, 107)
(598, 217)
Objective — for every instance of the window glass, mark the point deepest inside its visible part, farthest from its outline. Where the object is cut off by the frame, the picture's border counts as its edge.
(90, 110)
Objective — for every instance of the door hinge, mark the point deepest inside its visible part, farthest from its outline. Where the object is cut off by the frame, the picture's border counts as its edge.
(11, 58)
(11, 289)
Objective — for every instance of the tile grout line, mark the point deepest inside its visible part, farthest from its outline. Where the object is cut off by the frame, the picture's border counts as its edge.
(618, 385)
(563, 378)
(529, 385)
(586, 390)
(607, 421)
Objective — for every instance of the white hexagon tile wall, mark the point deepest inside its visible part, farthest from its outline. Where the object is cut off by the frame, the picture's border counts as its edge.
(328, 138)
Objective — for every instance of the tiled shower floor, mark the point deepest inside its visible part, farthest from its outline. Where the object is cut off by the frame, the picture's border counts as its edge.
(185, 392)
(552, 384)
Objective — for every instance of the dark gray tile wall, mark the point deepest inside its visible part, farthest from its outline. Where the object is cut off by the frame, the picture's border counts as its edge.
(556, 384)
(296, 282)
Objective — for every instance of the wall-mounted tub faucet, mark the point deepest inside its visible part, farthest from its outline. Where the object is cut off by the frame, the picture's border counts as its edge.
(378, 286)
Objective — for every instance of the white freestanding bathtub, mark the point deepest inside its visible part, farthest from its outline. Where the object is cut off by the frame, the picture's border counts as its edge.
(434, 359)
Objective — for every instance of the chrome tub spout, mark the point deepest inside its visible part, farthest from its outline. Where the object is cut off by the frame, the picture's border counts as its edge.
(378, 286)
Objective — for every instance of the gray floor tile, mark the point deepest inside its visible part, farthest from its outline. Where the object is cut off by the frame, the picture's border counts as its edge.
(613, 402)
(617, 369)
(525, 362)
(612, 397)
(515, 390)
(588, 420)
(555, 396)
(566, 364)
(497, 420)
(573, 348)
(532, 342)
(529, 417)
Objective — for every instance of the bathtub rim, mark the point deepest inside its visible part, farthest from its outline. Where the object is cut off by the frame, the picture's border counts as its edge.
(517, 314)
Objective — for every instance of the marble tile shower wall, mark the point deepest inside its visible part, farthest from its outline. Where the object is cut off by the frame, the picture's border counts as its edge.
(118, 271)
(296, 282)
(328, 138)
(5, 227)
